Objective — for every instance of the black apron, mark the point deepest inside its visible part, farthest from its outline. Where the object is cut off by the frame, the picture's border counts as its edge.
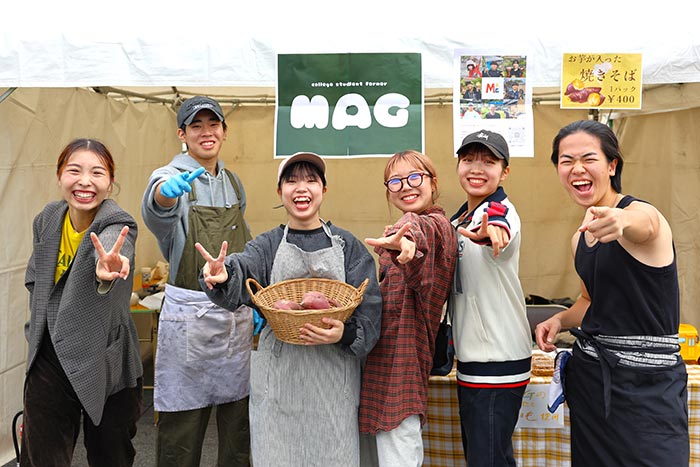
(626, 416)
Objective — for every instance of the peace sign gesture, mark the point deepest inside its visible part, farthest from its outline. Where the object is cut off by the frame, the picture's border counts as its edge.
(497, 235)
(111, 265)
(398, 242)
(214, 271)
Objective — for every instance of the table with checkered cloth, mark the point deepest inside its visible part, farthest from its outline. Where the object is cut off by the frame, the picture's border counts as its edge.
(533, 447)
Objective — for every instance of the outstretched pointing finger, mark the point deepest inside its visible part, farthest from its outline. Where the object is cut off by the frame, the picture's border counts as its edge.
(373, 242)
(403, 229)
(191, 177)
(479, 234)
(207, 256)
(203, 251)
(464, 231)
(222, 252)
(120, 240)
(591, 215)
(484, 227)
(117, 245)
(97, 244)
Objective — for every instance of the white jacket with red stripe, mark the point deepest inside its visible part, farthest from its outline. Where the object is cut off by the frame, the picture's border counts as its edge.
(489, 318)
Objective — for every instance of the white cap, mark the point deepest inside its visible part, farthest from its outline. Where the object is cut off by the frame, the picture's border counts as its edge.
(309, 157)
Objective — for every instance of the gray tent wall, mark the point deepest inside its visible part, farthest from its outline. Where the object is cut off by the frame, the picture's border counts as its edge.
(662, 165)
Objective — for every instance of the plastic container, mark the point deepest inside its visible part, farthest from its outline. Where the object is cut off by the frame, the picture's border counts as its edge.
(145, 277)
(688, 340)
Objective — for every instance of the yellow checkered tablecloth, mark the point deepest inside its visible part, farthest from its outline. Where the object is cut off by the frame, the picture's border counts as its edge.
(533, 447)
(694, 413)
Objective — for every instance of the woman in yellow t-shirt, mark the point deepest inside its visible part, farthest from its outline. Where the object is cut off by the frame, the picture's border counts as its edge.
(84, 361)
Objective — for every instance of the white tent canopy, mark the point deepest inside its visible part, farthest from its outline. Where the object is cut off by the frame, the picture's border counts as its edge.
(182, 44)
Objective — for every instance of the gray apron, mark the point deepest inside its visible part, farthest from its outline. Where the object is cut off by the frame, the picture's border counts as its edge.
(304, 399)
(203, 353)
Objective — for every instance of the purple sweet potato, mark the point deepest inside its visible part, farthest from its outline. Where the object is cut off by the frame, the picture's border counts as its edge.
(579, 96)
(575, 85)
(584, 95)
(287, 305)
(313, 300)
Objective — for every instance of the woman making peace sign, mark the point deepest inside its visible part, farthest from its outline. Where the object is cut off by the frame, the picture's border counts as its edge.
(84, 359)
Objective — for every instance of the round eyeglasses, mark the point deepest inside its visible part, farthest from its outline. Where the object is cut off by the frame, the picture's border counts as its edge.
(413, 180)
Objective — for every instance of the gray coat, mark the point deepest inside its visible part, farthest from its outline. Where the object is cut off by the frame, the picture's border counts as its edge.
(92, 330)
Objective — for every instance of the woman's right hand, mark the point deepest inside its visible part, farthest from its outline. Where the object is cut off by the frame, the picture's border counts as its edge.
(214, 271)
(546, 331)
(111, 264)
(314, 335)
(396, 241)
(497, 235)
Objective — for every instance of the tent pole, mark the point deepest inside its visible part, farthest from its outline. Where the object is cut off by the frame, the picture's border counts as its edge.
(6, 94)
(440, 99)
(124, 92)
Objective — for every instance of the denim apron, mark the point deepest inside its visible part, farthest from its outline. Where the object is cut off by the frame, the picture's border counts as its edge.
(304, 399)
(203, 354)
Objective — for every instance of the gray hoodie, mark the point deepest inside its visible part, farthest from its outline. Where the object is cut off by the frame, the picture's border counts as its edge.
(170, 225)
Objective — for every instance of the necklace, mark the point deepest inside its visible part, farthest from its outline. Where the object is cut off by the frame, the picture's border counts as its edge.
(616, 200)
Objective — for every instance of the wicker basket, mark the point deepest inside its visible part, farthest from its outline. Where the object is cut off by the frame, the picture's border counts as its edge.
(286, 323)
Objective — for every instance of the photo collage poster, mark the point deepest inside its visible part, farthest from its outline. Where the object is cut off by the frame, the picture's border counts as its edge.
(491, 93)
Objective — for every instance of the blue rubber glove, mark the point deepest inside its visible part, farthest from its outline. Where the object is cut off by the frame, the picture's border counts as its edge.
(178, 184)
(258, 322)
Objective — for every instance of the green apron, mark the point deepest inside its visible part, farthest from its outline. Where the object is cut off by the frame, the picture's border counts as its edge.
(203, 356)
(210, 226)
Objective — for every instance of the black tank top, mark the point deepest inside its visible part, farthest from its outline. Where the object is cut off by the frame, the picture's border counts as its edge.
(627, 297)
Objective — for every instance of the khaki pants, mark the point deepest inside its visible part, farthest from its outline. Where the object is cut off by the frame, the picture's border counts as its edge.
(181, 435)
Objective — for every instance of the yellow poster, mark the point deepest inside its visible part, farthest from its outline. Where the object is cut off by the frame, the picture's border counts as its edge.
(601, 81)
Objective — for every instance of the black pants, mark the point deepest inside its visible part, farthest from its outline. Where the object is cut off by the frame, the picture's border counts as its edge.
(52, 415)
(488, 417)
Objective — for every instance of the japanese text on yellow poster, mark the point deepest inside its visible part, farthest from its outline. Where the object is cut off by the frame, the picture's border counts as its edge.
(601, 81)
